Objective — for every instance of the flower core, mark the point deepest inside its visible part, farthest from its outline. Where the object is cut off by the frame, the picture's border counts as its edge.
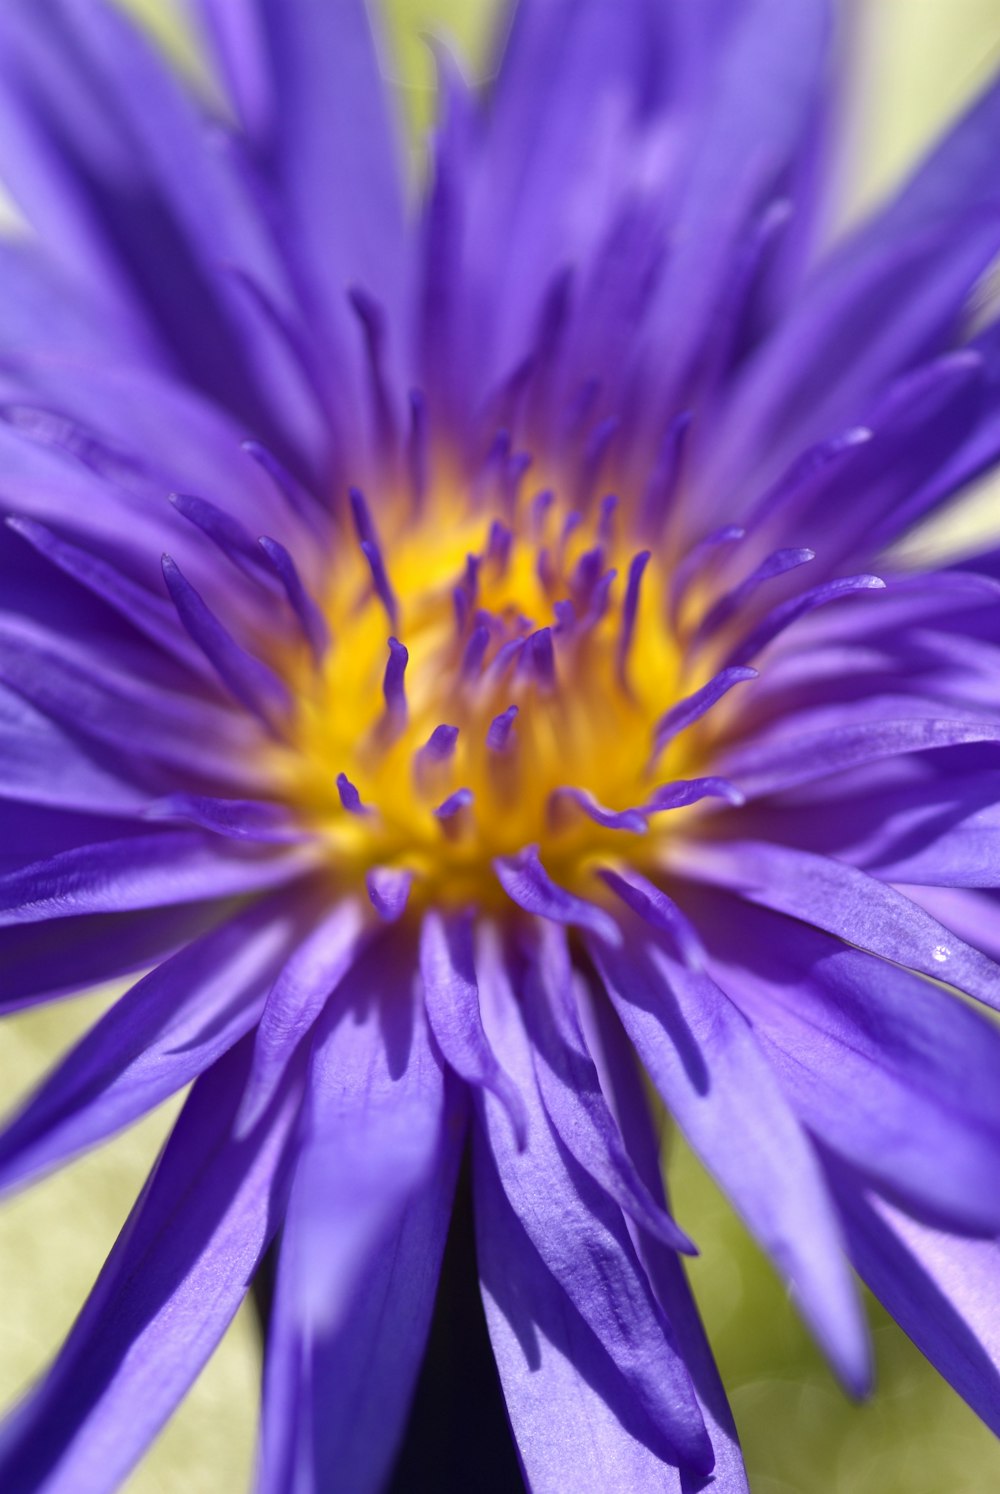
(495, 679)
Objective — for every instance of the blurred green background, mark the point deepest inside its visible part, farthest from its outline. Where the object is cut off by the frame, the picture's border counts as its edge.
(912, 62)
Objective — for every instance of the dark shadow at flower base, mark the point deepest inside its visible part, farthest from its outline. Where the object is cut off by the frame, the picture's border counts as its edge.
(457, 1439)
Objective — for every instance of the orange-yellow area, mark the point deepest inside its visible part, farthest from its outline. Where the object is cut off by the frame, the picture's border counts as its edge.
(589, 732)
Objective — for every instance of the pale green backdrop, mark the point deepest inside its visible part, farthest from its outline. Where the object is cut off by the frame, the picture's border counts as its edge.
(913, 64)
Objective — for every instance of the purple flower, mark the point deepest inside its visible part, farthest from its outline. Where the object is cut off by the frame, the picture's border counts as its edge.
(530, 688)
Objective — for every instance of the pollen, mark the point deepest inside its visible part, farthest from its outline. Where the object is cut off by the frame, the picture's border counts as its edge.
(499, 675)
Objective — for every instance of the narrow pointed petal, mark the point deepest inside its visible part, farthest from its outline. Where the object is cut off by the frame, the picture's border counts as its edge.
(44, 765)
(853, 905)
(891, 1072)
(691, 709)
(295, 1000)
(146, 871)
(146, 728)
(226, 532)
(528, 884)
(570, 1410)
(389, 891)
(148, 613)
(238, 819)
(581, 1236)
(165, 1297)
(452, 996)
(577, 1111)
(307, 612)
(334, 149)
(702, 1055)
(618, 1071)
(362, 1243)
(940, 1288)
(160, 1035)
(247, 678)
(775, 623)
(92, 950)
(766, 86)
(766, 766)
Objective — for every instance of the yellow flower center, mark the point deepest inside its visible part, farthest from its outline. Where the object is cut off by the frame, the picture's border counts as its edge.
(537, 658)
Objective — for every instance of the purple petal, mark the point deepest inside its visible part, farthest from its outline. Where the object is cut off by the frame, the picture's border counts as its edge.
(703, 1058)
(160, 1035)
(974, 455)
(966, 854)
(685, 791)
(372, 321)
(856, 907)
(630, 611)
(138, 203)
(452, 998)
(917, 260)
(451, 809)
(333, 149)
(768, 765)
(693, 707)
(149, 871)
(440, 331)
(571, 1094)
(567, 71)
(101, 403)
(581, 1236)
(618, 1075)
(389, 891)
(500, 729)
(163, 1300)
(246, 677)
(393, 684)
(362, 1242)
(778, 563)
(148, 613)
(528, 884)
(130, 716)
(571, 1412)
(380, 580)
(908, 291)
(782, 617)
(611, 819)
(44, 831)
(971, 914)
(891, 1072)
(295, 1001)
(702, 556)
(238, 819)
(43, 765)
(41, 960)
(941, 1289)
(308, 614)
(653, 905)
(439, 747)
(349, 796)
(809, 479)
(43, 309)
(917, 424)
(234, 39)
(765, 86)
(225, 531)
